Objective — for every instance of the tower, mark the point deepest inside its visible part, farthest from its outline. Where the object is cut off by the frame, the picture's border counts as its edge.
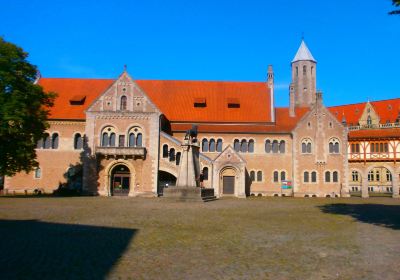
(270, 81)
(304, 72)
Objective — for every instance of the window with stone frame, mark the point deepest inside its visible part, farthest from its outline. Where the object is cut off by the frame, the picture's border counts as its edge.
(108, 136)
(236, 145)
(172, 154)
(252, 176)
(283, 176)
(306, 146)
(123, 103)
(355, 176)
(306, 177)
(313, 177)
(276, 176)
(78, 141)
(335, 176)
(165, 151)
(38, 173)
(327, 176)
(334, 146)
(268, 146)
(135, 137)
(259, 176)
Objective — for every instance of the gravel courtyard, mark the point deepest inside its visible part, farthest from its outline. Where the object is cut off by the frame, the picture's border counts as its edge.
(254, 238)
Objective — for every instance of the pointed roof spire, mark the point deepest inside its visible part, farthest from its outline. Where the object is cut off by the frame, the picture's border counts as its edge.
(303, 53)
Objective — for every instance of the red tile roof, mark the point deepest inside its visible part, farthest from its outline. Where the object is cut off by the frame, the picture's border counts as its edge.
(174, 98)
(68, 89)
(284, 124)
(374, 133)
(388, 110)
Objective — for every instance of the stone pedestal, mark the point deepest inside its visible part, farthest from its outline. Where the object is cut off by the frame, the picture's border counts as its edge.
(187, 184)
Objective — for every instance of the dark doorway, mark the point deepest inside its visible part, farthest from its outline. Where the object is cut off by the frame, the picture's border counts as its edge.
(228, 184)
(120, 180)
(165, 180)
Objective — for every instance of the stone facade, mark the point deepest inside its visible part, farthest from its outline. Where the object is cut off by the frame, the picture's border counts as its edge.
(130, 147)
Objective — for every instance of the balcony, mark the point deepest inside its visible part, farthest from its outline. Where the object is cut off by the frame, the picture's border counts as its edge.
(124, 152)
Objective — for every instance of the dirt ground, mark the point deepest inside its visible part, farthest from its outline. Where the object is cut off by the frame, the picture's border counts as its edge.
(254, 238)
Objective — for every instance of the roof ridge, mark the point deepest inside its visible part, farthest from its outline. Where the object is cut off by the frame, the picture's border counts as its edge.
(365, 102)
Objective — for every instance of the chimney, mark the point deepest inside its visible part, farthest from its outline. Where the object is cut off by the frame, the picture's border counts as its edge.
(270, 80)
(292, 112)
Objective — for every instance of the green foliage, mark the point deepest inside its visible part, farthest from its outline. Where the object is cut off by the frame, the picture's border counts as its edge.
(24, 108)
(395, 3)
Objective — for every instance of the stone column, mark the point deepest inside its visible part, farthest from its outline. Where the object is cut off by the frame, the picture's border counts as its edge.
(395, 183)
(364, 185)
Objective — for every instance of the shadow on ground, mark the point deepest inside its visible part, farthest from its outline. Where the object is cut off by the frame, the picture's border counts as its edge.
(376, 214)
(31, 249)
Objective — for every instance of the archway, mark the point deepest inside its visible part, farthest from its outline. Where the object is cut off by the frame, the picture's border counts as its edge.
(380, 181)
(165, 180)
(228, 181)
(120, 180)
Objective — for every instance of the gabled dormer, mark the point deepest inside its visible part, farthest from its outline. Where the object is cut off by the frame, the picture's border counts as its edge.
(369, 116)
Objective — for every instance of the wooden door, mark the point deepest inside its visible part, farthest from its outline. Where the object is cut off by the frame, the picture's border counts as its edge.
(228, 184)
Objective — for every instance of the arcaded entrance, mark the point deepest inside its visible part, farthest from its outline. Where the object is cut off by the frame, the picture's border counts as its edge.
(120, 180)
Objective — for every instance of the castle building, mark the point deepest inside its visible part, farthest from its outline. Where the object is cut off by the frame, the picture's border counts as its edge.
(123, 137)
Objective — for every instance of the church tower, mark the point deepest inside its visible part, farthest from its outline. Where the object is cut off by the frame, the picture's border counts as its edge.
(304, 72)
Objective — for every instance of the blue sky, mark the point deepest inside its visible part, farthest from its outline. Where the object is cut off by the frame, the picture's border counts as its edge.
(356, 44)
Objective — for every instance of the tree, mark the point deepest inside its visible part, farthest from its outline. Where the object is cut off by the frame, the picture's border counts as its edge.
(395, 3)
(24, 108)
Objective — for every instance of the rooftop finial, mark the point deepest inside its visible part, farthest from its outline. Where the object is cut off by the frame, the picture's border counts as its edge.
(125, 67)
(302, 36)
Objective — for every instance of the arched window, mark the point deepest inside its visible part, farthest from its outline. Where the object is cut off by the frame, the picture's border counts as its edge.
(283, 175)
(355, 176)
(212, 145)
(243, 146)
(78, 141)
(54, 141)
(377, 175)
(313, 177)
(304, 70)
(205, 173)
(236, 145)
(306, 146)
(38, 173)
(112, 139)
(306, 177)
(108, 137)
(327, 176)
(282, 147)
(259, 176)
(165, 151)
(388, 175)
(268, 146)
(275, 146)
(252, 176)
(123, 103)
(204, 145)
(104, 140)
(46, 141)
(276, 176)
(219, 145)
(132, 141)
(178, 158)
(371, 176)
(139, 140)
(297, 71)
(335, 176)
(251, 146)
(172, 154)
(334, 146)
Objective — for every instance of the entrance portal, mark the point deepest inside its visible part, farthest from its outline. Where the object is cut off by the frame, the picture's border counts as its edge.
(120, 180)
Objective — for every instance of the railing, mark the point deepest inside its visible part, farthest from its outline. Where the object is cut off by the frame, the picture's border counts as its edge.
(370, 126)
(374, 156)
(121, 151)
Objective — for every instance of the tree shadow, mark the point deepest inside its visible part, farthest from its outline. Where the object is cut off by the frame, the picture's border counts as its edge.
(31, 249)
(376, 214)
